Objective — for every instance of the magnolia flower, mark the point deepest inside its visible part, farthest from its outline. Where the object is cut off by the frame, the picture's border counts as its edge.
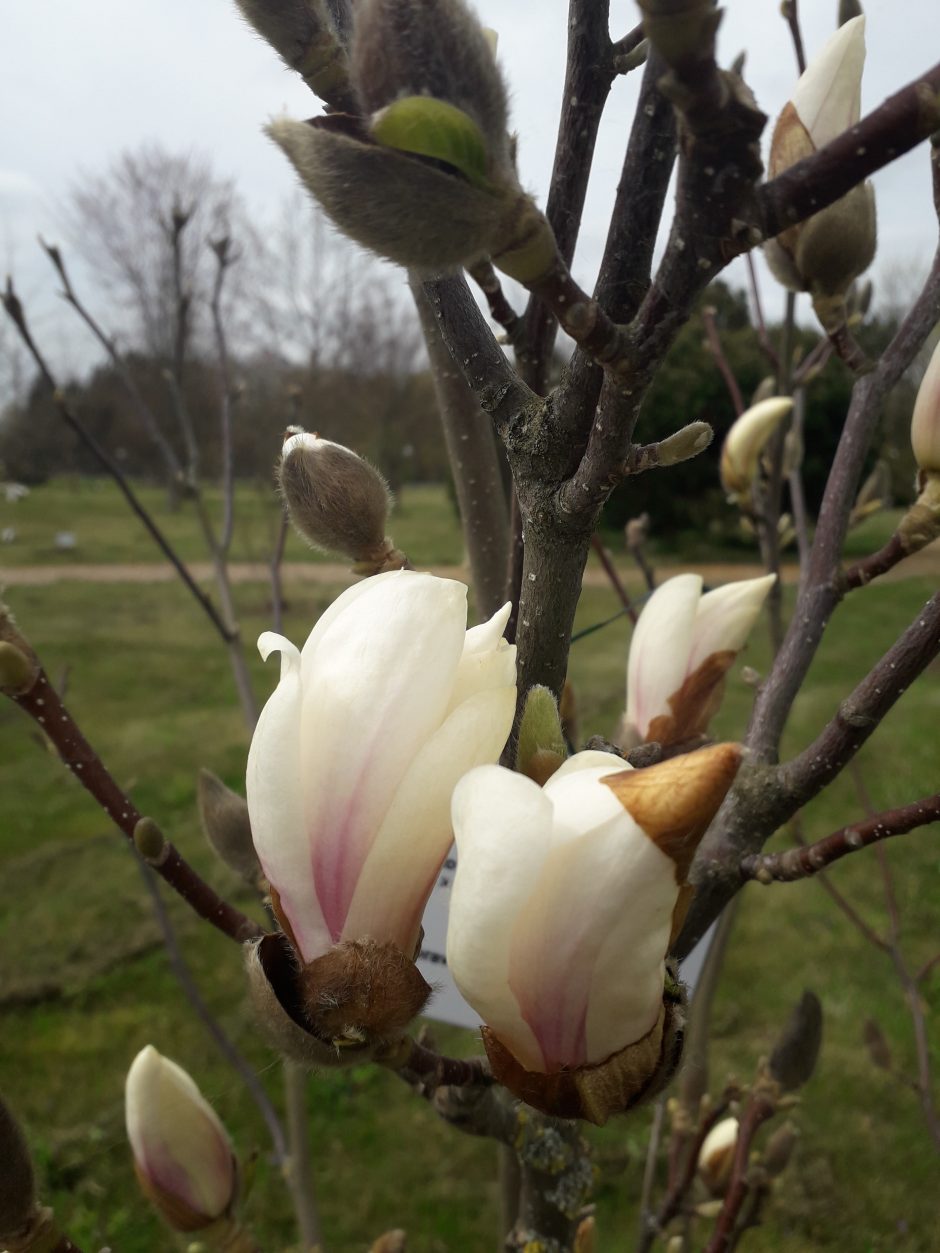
(683, 645)
(357, 752)
(716, 1156)
(827, 251)
(925, 424)
(565, 900)
(182, 1153)
(745, 441)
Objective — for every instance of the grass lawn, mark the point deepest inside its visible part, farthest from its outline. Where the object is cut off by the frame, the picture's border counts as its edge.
(85, 984)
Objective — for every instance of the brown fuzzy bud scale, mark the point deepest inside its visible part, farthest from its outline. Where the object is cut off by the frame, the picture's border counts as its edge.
(226, 825)
(629, 1078)
(336, 500)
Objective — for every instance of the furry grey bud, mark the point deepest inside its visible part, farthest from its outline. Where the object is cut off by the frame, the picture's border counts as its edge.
(431, 48)
(302, 34)
(337, 501)
(224, 817)
(797, 1049)
(399, 206)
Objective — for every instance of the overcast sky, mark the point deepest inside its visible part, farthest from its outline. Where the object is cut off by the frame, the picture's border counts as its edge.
(80, 82)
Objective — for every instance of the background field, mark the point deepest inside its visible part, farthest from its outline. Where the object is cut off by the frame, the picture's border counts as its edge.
(84, 983)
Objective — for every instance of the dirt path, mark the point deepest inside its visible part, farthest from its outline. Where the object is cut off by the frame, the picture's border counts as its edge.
(925, 564)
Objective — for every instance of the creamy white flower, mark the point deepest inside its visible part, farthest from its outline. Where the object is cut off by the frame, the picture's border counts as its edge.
(682, 647)
(358, 750)
(183, 1154)
(716, 1156)
(745, 441)
(560, 913)
(828, 96)
(925, 423)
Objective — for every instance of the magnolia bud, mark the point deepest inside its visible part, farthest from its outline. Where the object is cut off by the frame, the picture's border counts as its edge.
(585, 1238)
(391, 1242)
(779, 1149)
(796, 1052)
(225, 822)
(337, 501)
(17, 1181)
(301, 32)
(925, 423)
(825, 253)
(878, 1048)
(744, 443)
(431, 48)
(716, 1156)
(685, 443)
(542, 747)
(182, 1153)
(18, 672)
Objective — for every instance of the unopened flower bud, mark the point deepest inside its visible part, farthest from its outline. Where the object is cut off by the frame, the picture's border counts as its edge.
(542, 746)
(585, 1238)
(925, 423)
(716, 1156)
(745, 441)
(182, 1153)
(879, 1050)
(18, 672)
(302, 34)
(826, 252)
(796, 1052)
(336, 500)
(779, 1149)
(227, 827)
(685, 443)
(391, 1242)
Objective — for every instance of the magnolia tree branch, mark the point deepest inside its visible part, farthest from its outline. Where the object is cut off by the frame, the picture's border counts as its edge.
(501, 311)
(15, 312)
(144, 412)
(43, 704)
(800, 863)
(588, 77)
(760, 1107)
(472, 452)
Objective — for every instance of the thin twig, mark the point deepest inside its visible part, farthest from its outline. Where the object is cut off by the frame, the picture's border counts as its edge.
(791, 16)
(276, 570)
(713, 340)
(15, 311)
(224, 260)
(208, 1019)
(801, 863)
(501, 311)
(616, 582)
(759, 1108)
(765, 342)
(43, 705)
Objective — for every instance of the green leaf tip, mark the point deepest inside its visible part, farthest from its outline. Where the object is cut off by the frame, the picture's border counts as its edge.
(427, 127)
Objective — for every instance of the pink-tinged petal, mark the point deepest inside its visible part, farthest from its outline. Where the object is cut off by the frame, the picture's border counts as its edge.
(487, 660)
(406, 855)
(659, 650)
(629, 965)
(725, 618)
(502, 823)
(377, 679)
(558, 930)
(274, 781)
(828, 97)
(925, 422)
(176, 1137)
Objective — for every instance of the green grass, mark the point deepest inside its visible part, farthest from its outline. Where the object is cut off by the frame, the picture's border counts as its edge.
(85, 984)
(423, 523)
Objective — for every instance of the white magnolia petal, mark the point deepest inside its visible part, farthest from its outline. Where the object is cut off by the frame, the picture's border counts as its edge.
(274, 781)
(377, 682)
(745, 440)
(413, 841)
(659, 649)
(579, 804)
(487, 659)
(589, 759)
(502, 823)
(176, 1137)
(828, 97)
(725, 617)
(341, 605)
(925, 422)
(629, 965)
